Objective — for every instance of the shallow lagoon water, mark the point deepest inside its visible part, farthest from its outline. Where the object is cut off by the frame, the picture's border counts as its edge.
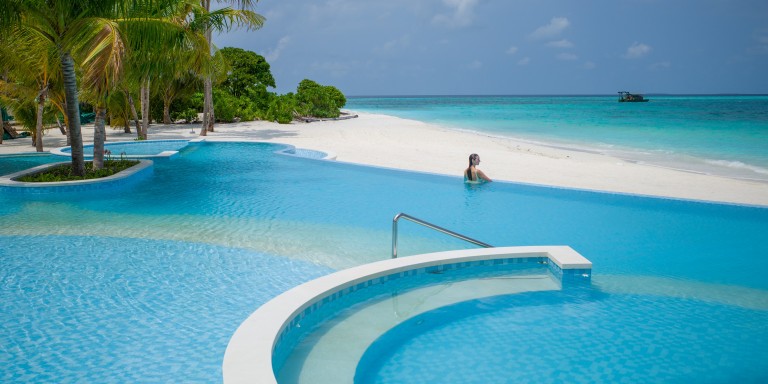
(721, 135)
(239, 221)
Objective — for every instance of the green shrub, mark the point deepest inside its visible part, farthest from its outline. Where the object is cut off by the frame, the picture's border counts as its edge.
(225, 106)
(63, 172)
(189, 115)
(281, 109)
(319, 100)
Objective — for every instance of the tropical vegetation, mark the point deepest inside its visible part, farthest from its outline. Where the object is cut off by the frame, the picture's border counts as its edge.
(60, 173)
(132, 61)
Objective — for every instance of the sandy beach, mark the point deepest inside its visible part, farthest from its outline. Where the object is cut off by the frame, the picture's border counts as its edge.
(392, 142)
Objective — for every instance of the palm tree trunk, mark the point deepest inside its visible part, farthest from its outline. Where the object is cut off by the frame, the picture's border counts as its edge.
(99, 136)
(206, 106)
(134, 113)
(73, 113)
(126, 124)
(62, 129)
(2, 127)
(144, 109)
(66, 124)
(39, 123)
(167, 110)
(208, 115)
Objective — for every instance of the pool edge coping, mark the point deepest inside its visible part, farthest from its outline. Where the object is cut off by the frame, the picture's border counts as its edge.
(9, 182)
(248, 356)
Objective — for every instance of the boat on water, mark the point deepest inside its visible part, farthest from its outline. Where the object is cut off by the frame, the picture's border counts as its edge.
(631, 97)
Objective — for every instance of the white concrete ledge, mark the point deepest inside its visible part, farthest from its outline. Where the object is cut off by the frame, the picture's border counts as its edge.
(10, 181)
(248, 357)
(66, 151)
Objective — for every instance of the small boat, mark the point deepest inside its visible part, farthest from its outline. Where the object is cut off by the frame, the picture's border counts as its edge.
(626, 97)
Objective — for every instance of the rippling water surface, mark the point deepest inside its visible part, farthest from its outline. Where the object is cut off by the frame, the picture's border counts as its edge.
(148, 284)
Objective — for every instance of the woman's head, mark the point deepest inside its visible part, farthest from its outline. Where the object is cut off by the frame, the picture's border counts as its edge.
(474, 159)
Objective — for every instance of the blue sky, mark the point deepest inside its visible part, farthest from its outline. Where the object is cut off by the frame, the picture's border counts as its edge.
(518, 47)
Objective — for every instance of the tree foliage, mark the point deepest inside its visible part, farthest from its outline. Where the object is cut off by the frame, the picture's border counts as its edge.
(248, 72)
(319, 100)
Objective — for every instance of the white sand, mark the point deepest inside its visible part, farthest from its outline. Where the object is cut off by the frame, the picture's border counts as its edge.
(406, 144)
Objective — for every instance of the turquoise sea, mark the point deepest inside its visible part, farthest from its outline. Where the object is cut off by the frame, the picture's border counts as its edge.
(720, 135)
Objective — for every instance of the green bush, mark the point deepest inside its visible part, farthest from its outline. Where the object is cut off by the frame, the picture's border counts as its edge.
(281, 109)
(63, 172)
(225, 106)
(318, 100)
(189, 115)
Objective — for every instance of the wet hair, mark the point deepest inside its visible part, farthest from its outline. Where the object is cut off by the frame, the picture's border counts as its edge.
(469, 169)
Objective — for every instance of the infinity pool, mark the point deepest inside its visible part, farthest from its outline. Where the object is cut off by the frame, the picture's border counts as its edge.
(148, 285)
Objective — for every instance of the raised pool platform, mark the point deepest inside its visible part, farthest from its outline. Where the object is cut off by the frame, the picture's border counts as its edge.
(10, 183)
(274, 329)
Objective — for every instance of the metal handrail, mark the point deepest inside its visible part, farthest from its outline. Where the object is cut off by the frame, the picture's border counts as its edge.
(430, 226)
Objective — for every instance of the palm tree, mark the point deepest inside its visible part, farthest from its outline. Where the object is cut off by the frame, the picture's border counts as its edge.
(63, 24)
(33, 65)
(91, 31)
(243, 15)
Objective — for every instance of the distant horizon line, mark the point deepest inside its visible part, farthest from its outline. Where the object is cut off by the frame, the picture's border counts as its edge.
(560, 95)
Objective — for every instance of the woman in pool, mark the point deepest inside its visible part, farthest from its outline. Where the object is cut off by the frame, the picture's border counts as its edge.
(472, 174)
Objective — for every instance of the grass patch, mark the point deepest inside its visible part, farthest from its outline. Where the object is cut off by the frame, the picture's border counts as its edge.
(63, 172)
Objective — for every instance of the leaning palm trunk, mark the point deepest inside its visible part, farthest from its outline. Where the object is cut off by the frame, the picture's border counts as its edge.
(61, 126)
(73, 115)
(39, 123)
(99, 136)
(134, 114)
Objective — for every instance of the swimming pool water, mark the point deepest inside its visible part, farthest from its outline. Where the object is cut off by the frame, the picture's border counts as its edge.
(13, 164)
(573, 336)
(135, 148)
(238, 220)
(116, 310)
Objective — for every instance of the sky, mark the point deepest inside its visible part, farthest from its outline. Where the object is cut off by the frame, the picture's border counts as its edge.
(513, 47)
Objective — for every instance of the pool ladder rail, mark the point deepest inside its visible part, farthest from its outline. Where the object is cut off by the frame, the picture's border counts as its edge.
(429, 225)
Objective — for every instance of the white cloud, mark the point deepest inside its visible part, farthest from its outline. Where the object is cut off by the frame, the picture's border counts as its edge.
(554, 28)
(637, 50)
(512, 50)
(567, 57)
(462, 13)
(564, 43)
(274, 54)
(476, 64)
(589, 65)
(524, 61)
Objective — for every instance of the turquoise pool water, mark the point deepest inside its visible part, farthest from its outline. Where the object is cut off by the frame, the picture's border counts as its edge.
(13, 164)
(136, 148)
(149, 284)
(576, 336)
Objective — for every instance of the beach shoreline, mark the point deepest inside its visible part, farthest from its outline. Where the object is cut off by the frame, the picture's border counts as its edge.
(392, 142)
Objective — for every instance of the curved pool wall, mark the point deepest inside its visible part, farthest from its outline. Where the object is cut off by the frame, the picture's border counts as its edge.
(133, 149)
(170, 148)
(116, 182)
(263, 342)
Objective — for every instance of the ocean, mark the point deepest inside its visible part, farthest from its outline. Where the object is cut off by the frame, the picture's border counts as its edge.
(719, 135)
